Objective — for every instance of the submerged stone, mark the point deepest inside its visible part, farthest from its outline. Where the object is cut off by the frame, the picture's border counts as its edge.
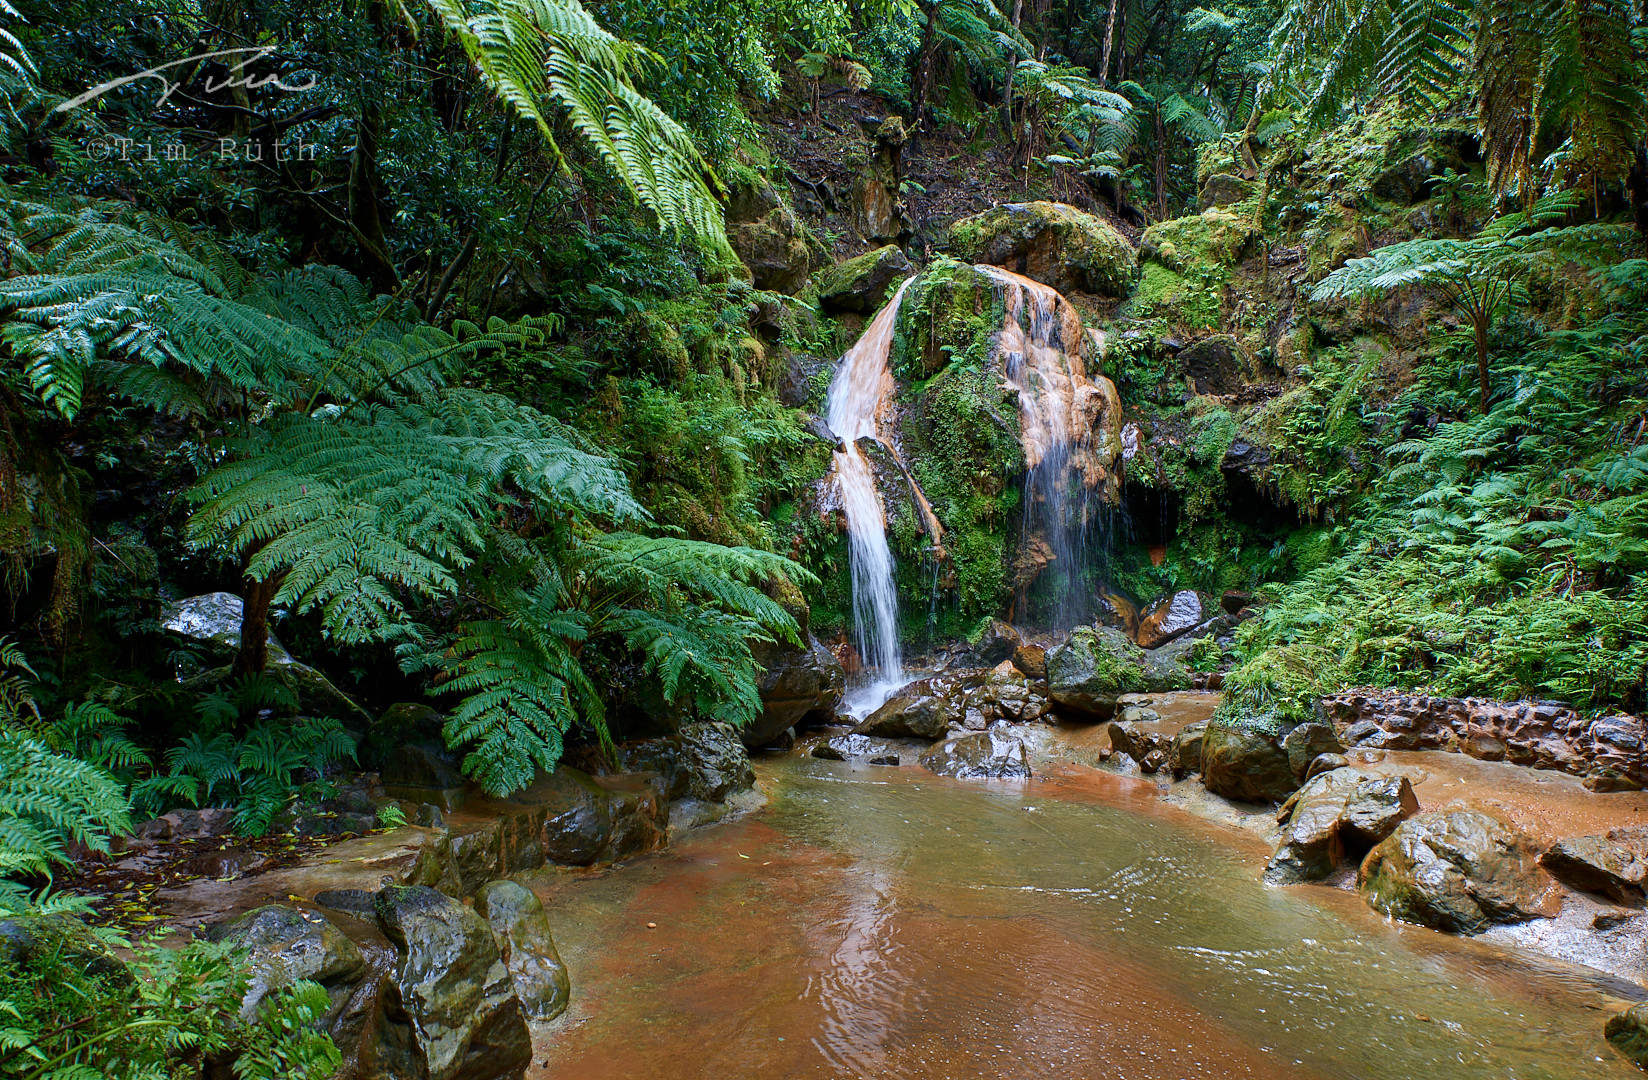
(1599, 864)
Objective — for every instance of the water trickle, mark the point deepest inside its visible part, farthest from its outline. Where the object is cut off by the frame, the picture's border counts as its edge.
(1067, 483)
(858, 395)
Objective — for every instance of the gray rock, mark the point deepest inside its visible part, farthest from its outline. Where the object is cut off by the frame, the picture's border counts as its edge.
(1223, 189)
(407, 748)
(215, 618)
(574, 819)
(1094, 666)
(851, 748)
(1337, 814)
(988, 755)
(1215, 364)
(1186, 755)
(1306, 743)
(521, 930)
(454, 984)
(861, 284)
(1170, 617)
(285, 945)
(996, 644)
(715, 761)
(1457, 869)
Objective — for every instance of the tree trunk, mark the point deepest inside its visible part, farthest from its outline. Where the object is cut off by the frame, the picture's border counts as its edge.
(1012, 69)
(256, 597)
(924, 69)
(1481, 326)
(1109, 38)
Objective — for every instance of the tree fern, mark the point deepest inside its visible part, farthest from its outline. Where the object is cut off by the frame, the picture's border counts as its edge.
(532, 50)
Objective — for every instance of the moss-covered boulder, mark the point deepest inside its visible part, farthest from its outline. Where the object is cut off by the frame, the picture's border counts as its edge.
(1243, 757)
(1628, 1032)
(1095, 665)
(1053, 243)
(862, 283)
(1458, 869)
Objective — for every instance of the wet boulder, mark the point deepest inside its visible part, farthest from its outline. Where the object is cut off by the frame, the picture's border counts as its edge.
(1050, 242)
(1614, 867)
(574, 819)
(1457, 869)
(1307, 742)
(987, 755)
(1031, 660)
(861, 284)
(1337, 815)
(214, 618)
(454, 984)
(1186, 755)
(854, 748)
(797, 684)
(715, 761)
(521, 929)
(29, 938)
(1093, 667)
(922, 710)
(1628, 1032)
(1243, 758)
(1170, 617)
(996, 644)
(407, 748)
(284, 945)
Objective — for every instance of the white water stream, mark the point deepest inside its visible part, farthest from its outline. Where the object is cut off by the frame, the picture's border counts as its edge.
(858, 394)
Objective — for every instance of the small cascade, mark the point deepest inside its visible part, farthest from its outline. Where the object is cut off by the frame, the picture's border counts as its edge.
(858, 394)
(1067, 487)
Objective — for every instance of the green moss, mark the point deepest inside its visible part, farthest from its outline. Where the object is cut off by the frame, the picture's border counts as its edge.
(1051, 242)
(1194, 300)
(1212, 238)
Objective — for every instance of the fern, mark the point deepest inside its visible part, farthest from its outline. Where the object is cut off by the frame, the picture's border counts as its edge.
(530, 50)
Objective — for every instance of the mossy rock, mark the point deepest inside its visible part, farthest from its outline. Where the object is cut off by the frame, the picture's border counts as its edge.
(1243, 757)
(1053, 243)
(1214, 237)
(861, 284)
(1092, 668)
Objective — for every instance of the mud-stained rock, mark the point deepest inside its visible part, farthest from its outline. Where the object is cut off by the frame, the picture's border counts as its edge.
(1307, 742)
(1600, 864)
(1186, 756)
(855, 748)
(861, 284)
(453, 981)
(1031, 660)
(1049, 242)
(797, 685)
(1457, 869)
(585, 820)
(1335, 816)
(521, 929)
(1243, 758)
(987, 755)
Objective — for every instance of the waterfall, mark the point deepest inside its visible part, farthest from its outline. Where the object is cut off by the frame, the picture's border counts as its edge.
(1040, 346)
(861, 388)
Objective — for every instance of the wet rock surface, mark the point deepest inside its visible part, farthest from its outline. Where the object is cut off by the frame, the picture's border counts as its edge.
(521, 929)
(1611, 752)
(1245, 759)
(1092, 668)
(1306, 743)
(854, 747)
(797, 685)
(1169, 617)
(861, 284)
(1628, 1032)
(454, 984)
(1612, 865)
(1457, 869)
(923, 710)
(987, 755)
(1337, 815)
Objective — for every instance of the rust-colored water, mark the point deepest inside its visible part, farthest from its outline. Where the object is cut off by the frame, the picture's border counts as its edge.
(883, 923)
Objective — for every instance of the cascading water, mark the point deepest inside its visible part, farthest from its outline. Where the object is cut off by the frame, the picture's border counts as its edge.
(858, 393)
(1041, 351)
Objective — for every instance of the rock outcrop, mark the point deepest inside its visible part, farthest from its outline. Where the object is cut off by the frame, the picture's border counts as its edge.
(1610, 752)
(1457, 869)
(767, 238)
(1614, 865)
(1049, 242)
(925, 709)
(797, 685)
(1335, 816)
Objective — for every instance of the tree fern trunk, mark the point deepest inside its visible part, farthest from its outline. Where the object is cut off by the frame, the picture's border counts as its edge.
(256, 598)
(1481, 326)
(1109, 39)
(924, 68)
